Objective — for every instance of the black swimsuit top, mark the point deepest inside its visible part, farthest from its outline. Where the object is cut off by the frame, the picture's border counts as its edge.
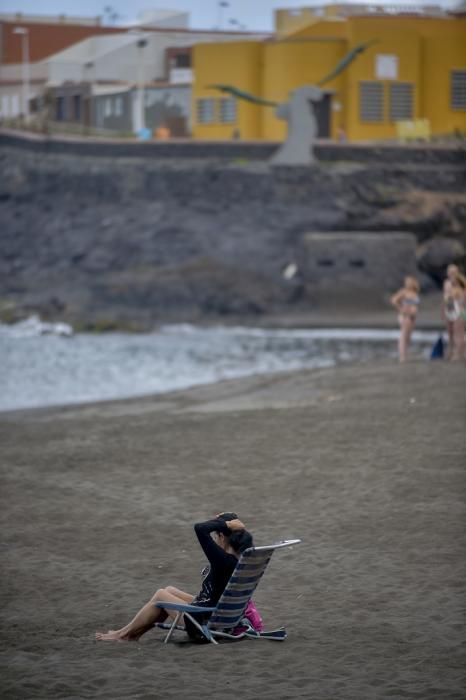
(221, 563)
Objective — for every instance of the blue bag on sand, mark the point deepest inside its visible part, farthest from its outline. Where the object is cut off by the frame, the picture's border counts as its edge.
(437, 349)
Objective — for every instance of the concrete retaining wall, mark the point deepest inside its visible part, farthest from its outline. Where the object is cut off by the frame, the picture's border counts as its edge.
(234, 150)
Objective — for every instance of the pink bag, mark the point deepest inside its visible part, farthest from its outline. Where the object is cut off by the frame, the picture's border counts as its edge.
(253, 615)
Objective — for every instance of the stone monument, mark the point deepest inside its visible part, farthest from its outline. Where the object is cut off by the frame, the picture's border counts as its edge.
(298, 112)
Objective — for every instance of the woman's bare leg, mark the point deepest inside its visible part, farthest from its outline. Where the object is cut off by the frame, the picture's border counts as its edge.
(461, 339)
(409, 332)
(451, 339)
(404, 338)
(146, 618)
(187, 597)
(401, 344)
(458, 340)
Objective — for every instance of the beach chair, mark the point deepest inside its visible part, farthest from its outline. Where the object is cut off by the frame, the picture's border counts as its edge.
(227, 620)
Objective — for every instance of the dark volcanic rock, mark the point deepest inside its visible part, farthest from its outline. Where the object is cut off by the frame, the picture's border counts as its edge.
(435, 255)
(136, 239)
(201, 286)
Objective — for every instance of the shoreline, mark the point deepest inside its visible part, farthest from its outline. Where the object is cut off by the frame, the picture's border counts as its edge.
(368, 345)
(322, 321)
(349, 317)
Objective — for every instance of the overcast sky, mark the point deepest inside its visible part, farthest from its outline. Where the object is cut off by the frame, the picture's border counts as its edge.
(255, 14)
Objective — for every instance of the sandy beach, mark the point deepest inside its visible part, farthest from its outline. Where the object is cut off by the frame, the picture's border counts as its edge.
(366, 464)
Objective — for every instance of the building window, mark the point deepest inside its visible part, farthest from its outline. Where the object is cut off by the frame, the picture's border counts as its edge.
(371, 107)
(228, 110)
(118, 106)
(5, 107)
(206, 110)
(100, 112)
(386, 66)
(108, 107)
(77, 107)
(60, 109)
(401, 101)
(182, 60)
(458, 89)
(15, 106)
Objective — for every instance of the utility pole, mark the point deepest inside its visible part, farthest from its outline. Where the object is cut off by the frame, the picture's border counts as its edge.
(222, 5)
(88, 119)
(24, 33)
(141, 44)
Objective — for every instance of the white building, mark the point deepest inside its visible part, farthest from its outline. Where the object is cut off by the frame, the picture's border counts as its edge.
(131, 58)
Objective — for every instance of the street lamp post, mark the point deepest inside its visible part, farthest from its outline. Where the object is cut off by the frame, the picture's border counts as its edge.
(142, 117)
(222, 5)
(24, 33)
(87, 117)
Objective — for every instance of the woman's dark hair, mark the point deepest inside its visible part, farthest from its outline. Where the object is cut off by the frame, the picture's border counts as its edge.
(227, 516)
(240, 540)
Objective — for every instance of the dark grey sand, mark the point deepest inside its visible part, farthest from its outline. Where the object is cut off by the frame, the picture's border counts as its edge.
(366, 464)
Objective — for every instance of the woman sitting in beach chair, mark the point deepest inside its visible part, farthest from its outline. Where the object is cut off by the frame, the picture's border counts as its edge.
(223, 539)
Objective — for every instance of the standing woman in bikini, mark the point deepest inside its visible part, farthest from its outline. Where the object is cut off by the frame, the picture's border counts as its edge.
(454, 310)
(406, 302)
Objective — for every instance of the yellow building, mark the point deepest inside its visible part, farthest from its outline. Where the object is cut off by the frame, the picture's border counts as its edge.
(416, 70)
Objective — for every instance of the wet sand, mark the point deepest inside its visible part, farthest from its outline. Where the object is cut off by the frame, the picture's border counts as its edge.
(365, 463)
(348, 314)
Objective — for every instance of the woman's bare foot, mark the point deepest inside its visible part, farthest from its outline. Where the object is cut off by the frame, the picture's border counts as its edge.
(119, 636)
(110, 636)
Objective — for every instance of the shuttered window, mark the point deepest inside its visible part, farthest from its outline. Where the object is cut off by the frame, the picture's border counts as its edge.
(371, 102)
(227, 110)
(205, 110)
(458, 89)
(401, 101)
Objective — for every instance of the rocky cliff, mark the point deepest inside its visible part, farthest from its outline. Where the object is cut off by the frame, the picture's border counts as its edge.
(112, 241)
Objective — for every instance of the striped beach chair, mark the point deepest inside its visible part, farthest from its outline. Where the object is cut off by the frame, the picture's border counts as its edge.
(227, 620)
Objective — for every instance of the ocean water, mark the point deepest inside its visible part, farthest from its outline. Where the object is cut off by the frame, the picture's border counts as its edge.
(38, 369)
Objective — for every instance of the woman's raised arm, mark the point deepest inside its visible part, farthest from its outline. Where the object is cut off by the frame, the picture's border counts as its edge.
(214, 553)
